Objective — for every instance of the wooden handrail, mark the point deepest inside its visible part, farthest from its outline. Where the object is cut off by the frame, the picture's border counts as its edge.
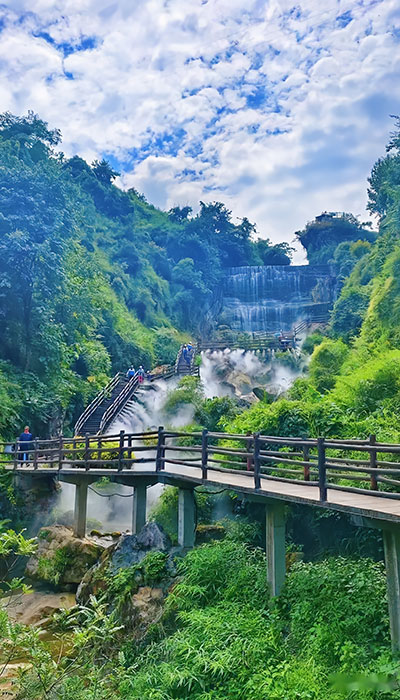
(312, 462)
(89, 410)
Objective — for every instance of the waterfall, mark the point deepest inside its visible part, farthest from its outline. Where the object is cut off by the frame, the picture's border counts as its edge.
(271, 297)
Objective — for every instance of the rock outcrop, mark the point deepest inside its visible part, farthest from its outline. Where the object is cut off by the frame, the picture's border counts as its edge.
(127, 552)
(61, 558)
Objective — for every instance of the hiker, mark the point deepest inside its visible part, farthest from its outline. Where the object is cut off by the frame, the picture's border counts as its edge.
(25, 442)
(140, 374)
(185, 354)
(131, 372)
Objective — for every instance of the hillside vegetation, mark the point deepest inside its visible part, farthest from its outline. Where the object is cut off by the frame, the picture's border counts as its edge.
(93, 278)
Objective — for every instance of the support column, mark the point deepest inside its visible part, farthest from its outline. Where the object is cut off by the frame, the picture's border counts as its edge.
(186, 518)
(275, 547)
(81, 489)
(139, 508)
(391, 542)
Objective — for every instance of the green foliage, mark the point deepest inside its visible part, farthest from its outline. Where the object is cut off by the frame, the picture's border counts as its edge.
(349, 311)
(154, 569)
(221, 637)
(13, 545)
(312, 341)
(166, 345)
(210, 411)
(53, 568)
(322, 605)
(372, 386)
(189, 391)
(326, 361)
(228, 644)
(165, 512)
(322, 237)
(279, 254)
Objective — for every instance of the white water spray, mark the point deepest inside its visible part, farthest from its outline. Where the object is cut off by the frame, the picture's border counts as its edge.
(222, 373)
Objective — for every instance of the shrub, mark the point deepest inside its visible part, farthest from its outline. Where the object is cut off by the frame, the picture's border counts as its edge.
(312, 341)
(333, 606)
(326, 361)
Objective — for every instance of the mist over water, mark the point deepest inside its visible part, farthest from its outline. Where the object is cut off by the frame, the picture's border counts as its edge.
(222, 373)
(233, 372)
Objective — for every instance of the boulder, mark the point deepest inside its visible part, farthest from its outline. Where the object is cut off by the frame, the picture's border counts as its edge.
(61, 558)
(128, 551)
(240, 382)
(131, 549)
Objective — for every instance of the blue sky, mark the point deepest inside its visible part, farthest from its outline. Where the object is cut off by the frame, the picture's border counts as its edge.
(279, 109)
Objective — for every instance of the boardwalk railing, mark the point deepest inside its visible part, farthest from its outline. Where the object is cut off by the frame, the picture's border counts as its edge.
(92, 407)
(357, 466)
(263, 340)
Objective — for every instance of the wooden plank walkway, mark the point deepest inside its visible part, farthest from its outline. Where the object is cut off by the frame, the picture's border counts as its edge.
(363, 504)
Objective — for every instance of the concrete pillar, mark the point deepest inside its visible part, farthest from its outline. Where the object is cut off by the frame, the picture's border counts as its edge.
(81, 489)
(139, 508)
(391, 542)
(186, 518)
(275, 547)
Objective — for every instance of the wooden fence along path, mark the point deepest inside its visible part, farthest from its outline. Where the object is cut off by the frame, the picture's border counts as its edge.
(263, 340)
(345, 474)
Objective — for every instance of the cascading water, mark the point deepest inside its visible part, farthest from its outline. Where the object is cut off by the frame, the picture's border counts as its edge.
(272, 297)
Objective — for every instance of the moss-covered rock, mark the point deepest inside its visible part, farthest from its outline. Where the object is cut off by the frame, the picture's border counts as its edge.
(134, 561)
(61, 558)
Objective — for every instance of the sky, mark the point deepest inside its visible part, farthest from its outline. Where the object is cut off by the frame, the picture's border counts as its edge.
(278, 109)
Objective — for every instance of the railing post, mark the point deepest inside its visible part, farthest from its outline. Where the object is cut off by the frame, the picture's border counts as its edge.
(306, 458)
(249, 460)
(322, 469)
(60, 452)
(160, 449)
(129, 455)
(121, 449)
(256, 459)
(35, 453)
(16, 454)
(86, 456)
(372, 464)
(204, 453)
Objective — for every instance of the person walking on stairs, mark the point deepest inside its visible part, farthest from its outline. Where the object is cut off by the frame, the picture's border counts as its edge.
(185, 354)
(140, 374)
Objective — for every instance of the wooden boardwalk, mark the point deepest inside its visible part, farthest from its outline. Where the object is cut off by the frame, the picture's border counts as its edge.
(361, 477)
(362, 504)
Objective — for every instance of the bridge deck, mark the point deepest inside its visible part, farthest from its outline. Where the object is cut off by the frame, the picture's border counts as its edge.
(374, 506)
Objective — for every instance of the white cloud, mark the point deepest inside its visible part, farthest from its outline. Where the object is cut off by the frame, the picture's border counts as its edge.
(277, 111)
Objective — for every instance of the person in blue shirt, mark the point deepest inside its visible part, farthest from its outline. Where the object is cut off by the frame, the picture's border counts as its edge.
(131, 372)
(25, 444)
(141, 373)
